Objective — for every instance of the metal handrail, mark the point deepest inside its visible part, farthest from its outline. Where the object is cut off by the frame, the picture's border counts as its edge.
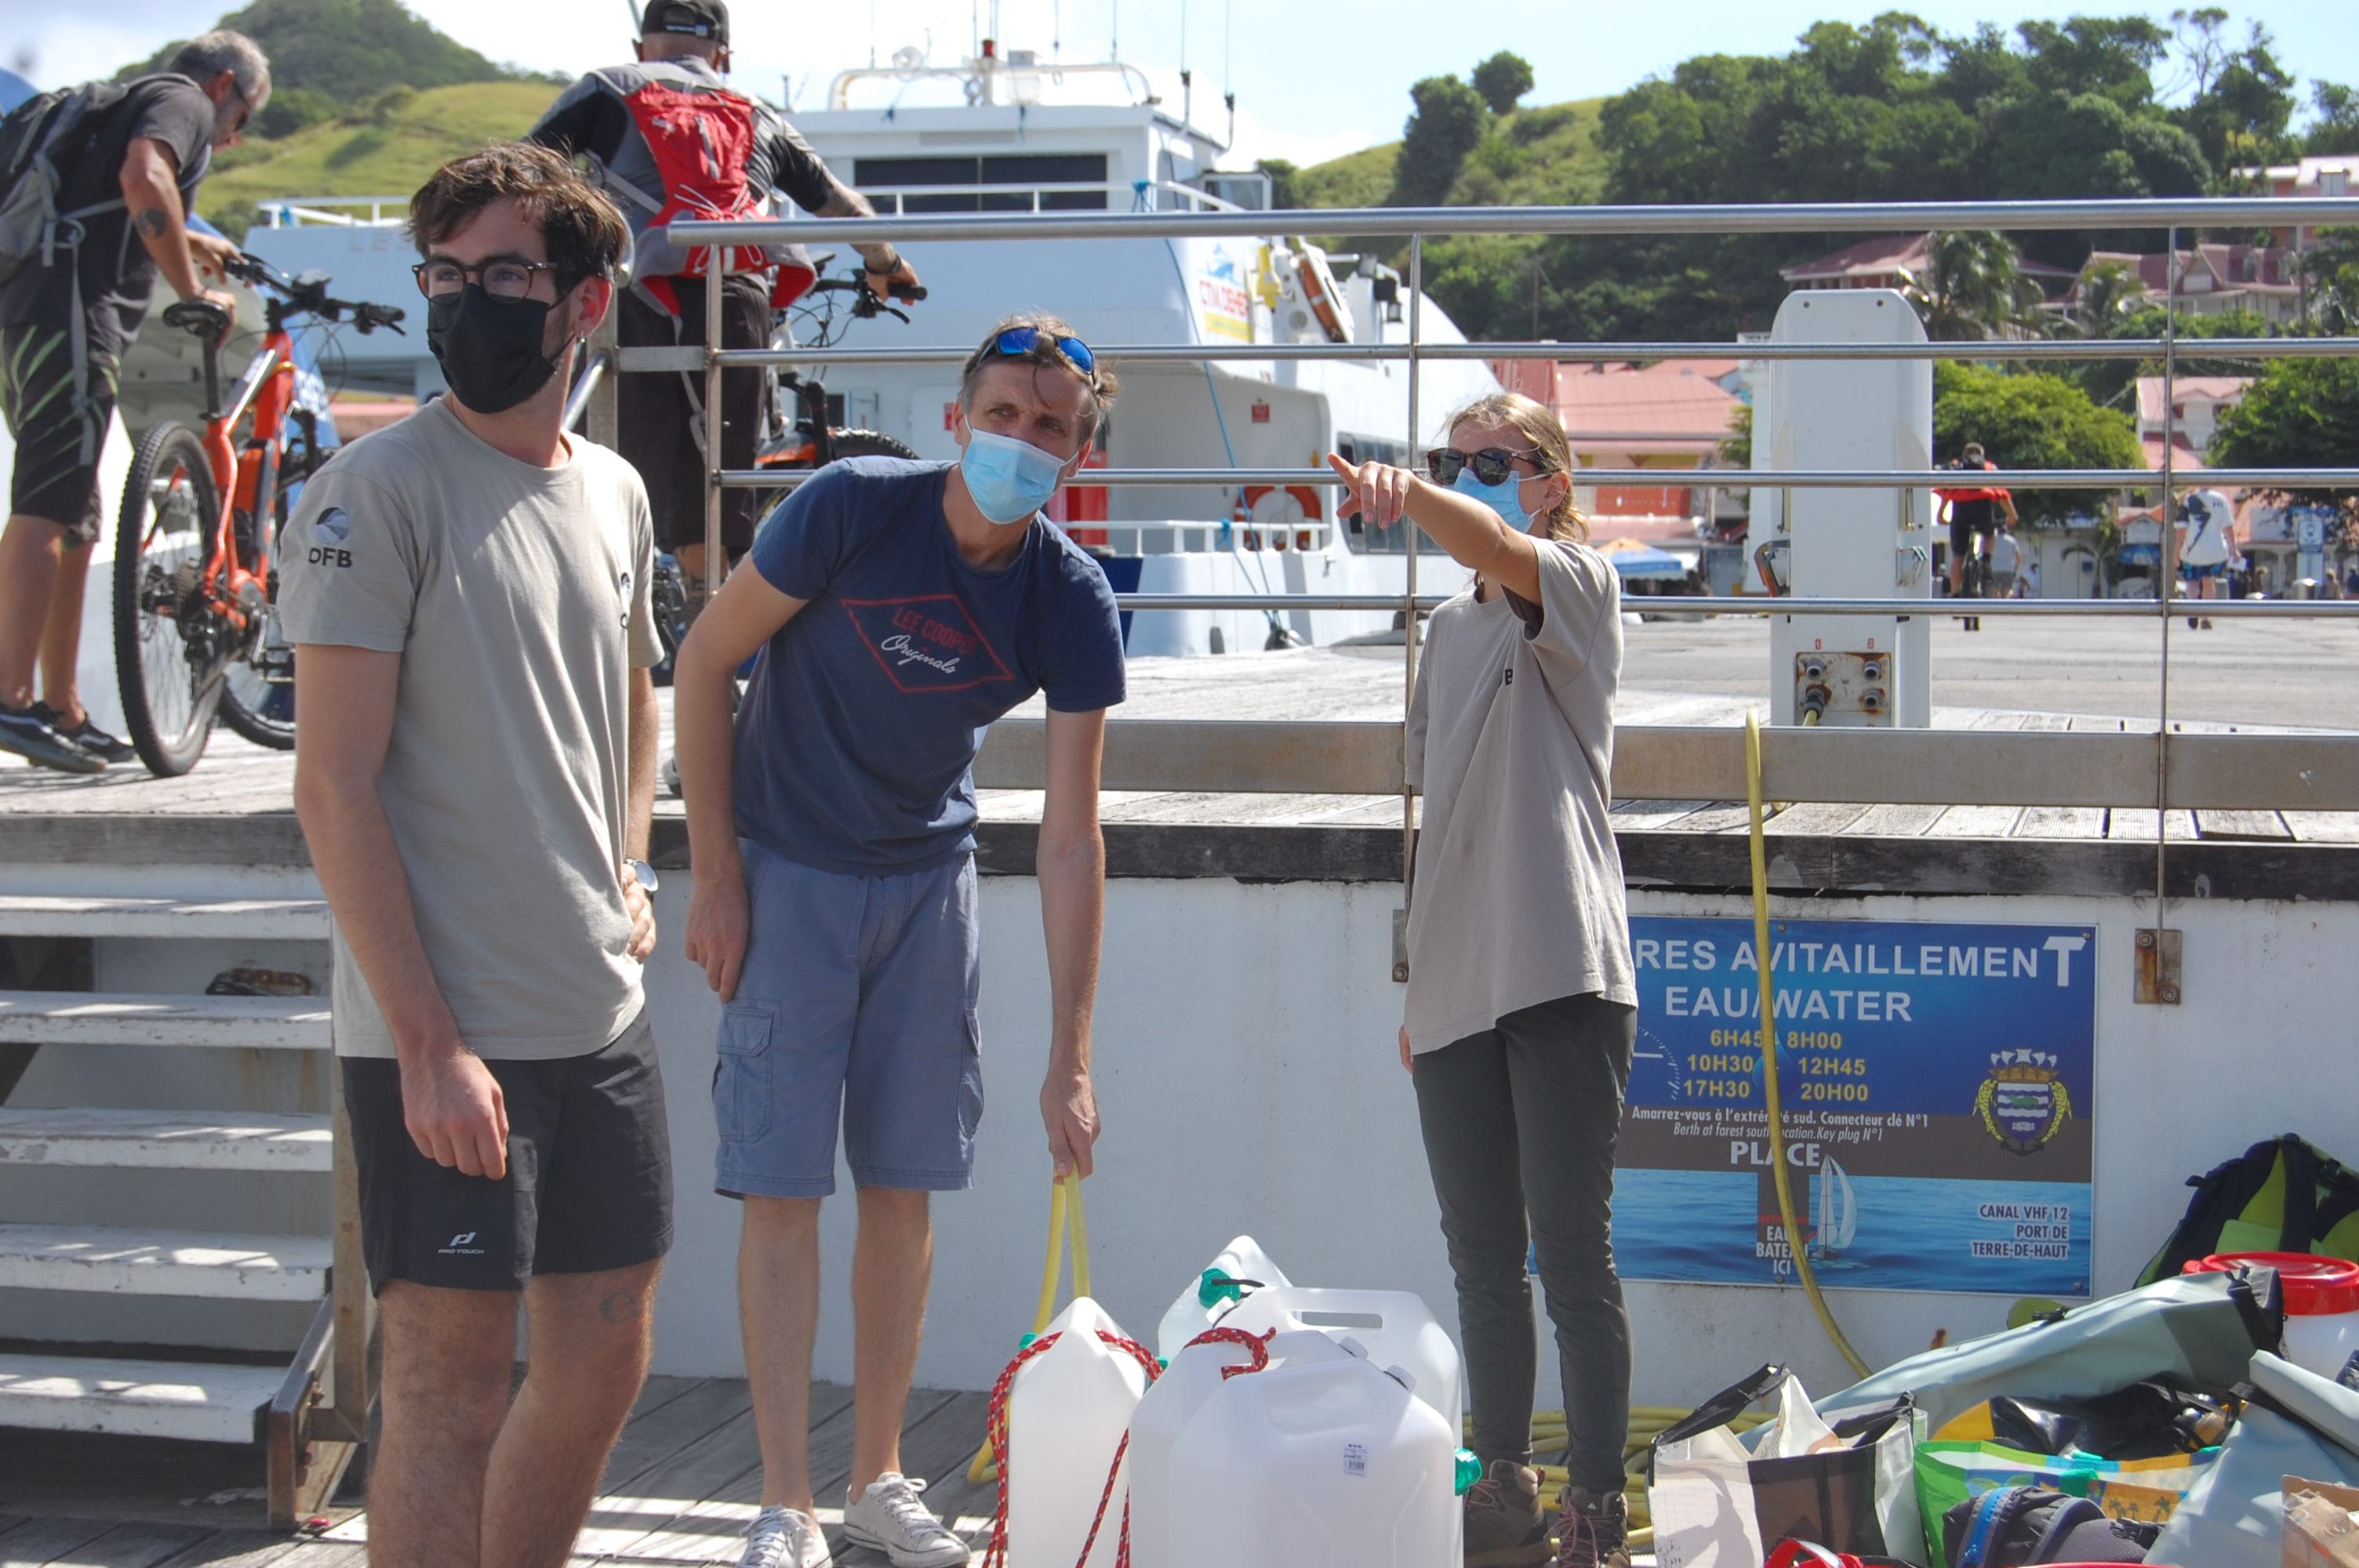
(1762, 605)
(1726, 479)
(1579, 353)
(1759, 218)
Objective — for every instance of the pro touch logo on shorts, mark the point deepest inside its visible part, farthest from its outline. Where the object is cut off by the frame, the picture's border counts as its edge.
(462, 1246)
(929, 643)
(329, 532)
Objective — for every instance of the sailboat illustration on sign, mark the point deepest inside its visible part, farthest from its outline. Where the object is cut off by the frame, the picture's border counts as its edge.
(1835, 1211)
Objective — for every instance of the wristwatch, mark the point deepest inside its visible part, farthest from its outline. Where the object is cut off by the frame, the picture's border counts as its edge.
(645, 873)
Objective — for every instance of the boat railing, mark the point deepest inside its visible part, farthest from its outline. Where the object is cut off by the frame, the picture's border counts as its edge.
(2163, 769)
(1140, 195)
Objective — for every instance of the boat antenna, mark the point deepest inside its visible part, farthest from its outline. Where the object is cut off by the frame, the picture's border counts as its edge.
(1056, 30)
(1228, 77)
(1113, 34)
(1187, 77)
(872, 34)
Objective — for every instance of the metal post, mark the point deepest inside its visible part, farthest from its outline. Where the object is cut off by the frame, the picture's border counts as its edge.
(604, 424)
(2169, 557)
(716, 559)
(355, 1305)
(1409, 539)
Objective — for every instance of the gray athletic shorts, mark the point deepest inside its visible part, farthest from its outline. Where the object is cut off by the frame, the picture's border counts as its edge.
(857, 1005)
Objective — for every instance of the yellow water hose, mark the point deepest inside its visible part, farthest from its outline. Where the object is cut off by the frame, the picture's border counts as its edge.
(1762, 952)
(1064, 1214)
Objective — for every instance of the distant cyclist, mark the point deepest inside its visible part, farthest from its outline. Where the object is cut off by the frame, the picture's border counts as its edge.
(670, 141)
(1972, 509)
(128, 158)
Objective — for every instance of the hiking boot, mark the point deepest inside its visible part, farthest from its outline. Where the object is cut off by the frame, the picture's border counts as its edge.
(784, 1538)
(26, 732)
(86, 735)
(1503, 1525)
(888, 1518)
(1591, 1531)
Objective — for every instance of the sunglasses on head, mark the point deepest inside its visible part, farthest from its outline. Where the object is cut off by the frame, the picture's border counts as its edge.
(1492, 465)
(1017, 342)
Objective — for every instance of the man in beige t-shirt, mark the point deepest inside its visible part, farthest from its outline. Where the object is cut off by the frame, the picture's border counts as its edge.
(467, 592)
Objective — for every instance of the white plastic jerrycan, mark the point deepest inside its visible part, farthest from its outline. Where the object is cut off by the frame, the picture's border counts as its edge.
(1194, 1376)
(1332, 1463)
(1066, 1411)
(1395, 1326)
(1210, 1293)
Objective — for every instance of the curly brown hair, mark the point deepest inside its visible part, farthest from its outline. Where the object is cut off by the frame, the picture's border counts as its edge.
(582, 229)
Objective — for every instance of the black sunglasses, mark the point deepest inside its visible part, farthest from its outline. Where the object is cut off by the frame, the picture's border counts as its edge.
(1492, 465)
(1017, 342)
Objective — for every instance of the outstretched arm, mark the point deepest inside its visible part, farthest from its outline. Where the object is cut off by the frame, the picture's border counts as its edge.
(1070, 864)
(1475, 535)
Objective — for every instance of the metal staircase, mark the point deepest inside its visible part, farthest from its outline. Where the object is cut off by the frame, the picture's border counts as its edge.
(308, 1412)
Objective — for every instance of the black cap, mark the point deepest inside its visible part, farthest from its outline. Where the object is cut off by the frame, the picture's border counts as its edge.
(690, 18)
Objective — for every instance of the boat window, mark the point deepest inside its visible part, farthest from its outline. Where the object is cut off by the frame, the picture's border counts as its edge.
(875, 175)
(1364, 540)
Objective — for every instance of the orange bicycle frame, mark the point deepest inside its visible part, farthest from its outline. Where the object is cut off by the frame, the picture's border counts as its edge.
(237, 475)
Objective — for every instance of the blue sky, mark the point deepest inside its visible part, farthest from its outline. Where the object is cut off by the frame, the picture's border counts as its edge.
(1311, 80)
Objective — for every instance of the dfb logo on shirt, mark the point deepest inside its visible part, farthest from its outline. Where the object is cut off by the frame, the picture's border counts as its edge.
(329, 532)
(929, 644)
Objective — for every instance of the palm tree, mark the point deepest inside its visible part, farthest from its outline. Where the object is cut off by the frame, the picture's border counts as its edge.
(1973, 287)
(2109, 293)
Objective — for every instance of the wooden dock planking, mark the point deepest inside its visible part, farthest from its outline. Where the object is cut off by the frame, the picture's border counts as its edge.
(2249, 826)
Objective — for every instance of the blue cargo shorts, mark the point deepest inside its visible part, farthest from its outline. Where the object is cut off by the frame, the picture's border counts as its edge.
(857, 1005)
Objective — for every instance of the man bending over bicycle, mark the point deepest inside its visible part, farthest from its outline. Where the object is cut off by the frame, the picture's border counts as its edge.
(1972, 513)
(129, 158)
(647, 129)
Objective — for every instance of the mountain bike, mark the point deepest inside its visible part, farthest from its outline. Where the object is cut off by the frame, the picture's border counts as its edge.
(1974, 582)
(814, 438)
(196, 578)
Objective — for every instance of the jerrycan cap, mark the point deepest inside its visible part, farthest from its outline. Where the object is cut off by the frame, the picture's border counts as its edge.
(1403, 1376)
(1216, 1287)
(1352, 1348)
(1470, 1470)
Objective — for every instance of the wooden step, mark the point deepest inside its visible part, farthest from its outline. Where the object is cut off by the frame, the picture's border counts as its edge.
(144, 1262)
(168, 1139)
(93, 1018)
(260, 919)
(203, 1401)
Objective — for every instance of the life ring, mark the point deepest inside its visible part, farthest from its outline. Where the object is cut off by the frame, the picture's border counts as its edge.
(1320, 292)
(1302, 494)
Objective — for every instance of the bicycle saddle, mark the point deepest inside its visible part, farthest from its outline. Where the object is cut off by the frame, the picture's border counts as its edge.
(196, 316)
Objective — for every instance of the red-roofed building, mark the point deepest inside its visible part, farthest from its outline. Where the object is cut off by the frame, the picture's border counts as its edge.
(2329, 174)
(2196, 405)
(1670, 416)
(1901, 262)
(2213, 278)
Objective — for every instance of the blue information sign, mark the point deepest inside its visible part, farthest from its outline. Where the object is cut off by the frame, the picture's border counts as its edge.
(1937, 1082)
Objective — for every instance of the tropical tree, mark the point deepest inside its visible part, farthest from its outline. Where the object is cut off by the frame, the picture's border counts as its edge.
(1973, 287)
(2297, 414)
(2031, 421)
(2109, 293)
(1448, 122)
(1503, 79)
(2331, 272)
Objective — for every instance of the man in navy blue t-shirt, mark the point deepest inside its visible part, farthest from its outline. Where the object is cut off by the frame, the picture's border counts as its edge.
(899, 608)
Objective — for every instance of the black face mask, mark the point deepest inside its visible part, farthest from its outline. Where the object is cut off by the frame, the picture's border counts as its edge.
(490, 349)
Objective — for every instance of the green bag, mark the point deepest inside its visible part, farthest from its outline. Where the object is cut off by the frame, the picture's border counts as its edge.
(2145, 1490)
(2284, 1195)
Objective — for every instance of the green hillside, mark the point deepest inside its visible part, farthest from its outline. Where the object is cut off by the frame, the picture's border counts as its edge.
(1546, 155)
(386, 149)
(349, 51)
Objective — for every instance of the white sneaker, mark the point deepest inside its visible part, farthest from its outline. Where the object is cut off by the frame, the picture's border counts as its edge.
(785, 1537)
(889, 1518)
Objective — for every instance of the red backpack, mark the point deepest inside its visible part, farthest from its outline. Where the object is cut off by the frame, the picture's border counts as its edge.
(701, 142)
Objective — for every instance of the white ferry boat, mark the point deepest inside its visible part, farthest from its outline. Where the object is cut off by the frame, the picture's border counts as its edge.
(1029, 135)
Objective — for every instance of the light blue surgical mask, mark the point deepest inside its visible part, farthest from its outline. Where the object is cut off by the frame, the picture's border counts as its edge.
(1009, 480)
(1505, 498)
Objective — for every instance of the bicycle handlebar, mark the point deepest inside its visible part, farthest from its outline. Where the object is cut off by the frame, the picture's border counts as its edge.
(308, 294)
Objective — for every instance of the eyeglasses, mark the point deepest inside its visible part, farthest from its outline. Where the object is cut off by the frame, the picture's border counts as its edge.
(1020, 341)
(1492, 465)
(502, 278)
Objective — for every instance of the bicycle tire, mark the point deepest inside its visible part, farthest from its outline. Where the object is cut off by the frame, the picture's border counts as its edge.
(847, 444)
(163, 536)
(254, 706)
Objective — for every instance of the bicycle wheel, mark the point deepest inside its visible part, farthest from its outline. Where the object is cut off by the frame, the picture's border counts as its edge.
(258, 689)
(167, 637)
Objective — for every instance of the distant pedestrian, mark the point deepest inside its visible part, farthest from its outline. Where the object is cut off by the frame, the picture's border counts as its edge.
(129, 167)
